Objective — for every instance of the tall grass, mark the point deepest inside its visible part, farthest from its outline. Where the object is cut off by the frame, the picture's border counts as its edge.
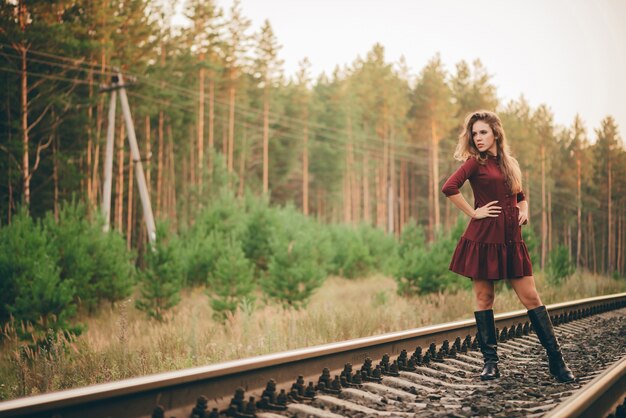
(120, 342)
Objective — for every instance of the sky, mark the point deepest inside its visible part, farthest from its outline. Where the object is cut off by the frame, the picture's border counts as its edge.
(567, 54)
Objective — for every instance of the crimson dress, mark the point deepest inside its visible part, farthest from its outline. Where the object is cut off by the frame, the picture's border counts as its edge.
(490, 248)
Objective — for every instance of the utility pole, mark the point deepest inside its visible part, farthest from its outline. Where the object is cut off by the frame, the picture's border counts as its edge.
(117, 83)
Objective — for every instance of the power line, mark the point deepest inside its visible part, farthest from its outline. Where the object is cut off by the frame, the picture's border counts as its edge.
(360, 148)
(47, 76)
(194, 94)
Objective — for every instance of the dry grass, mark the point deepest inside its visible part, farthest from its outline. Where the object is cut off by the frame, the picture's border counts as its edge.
(120, 342)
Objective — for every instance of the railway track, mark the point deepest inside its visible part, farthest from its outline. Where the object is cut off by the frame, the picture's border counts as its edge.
(430, 371)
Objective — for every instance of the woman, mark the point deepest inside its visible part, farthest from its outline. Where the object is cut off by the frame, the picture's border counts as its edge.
(491, 247)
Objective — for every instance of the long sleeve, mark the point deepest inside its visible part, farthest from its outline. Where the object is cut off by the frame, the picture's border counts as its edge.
(456, 180)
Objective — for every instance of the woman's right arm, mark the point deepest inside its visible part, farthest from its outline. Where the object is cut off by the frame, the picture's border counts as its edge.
(456, 180)
(460, 202)
(451, 190)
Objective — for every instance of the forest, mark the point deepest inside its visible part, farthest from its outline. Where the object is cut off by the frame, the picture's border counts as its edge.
(242, 161)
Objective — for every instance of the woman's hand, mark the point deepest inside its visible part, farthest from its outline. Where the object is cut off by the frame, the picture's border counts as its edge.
(523, 216)
(487, 211)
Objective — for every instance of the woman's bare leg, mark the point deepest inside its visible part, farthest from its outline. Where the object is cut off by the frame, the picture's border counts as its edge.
(526, 291)
(484, 292)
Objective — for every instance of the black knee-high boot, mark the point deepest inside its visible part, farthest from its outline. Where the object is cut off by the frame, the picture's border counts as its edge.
(542, 323)
(488, 340)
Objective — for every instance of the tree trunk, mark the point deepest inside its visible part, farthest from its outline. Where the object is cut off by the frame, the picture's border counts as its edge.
(413, 193)
(392, 215)
(99, 124)
(550, 229)
(119, 184)
(266, 108)
(172, 176)
(55, 175)
(569, 239)
(160, 153)
(618, 261)
(192, 159)
(356, 192)
(431, 203)
(347, 199)
(201, 121)
(305, 170)
(184, 189)
(435, 176)
(346, 196)
(225, 130)
(9, 165)
(319, 204)
(384, 175)
(592, 237)
(211, 121)
(24, 114)
(242, 161)
(380, 195)
(231, 124)
(148, 157)
(404, 209)
(160, 144)
(89, 168)
(610, 243)
(355, 185)
(578, 214)
(367, 211)
(129, 204)
(602, 257)
(544, 215)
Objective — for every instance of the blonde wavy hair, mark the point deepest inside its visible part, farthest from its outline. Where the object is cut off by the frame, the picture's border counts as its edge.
(466, 148)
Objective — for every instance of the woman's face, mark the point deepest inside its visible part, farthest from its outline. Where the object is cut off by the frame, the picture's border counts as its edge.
(483, 137)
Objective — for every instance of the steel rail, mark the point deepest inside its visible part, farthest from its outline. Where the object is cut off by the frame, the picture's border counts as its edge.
(178, 391)
(598, 398)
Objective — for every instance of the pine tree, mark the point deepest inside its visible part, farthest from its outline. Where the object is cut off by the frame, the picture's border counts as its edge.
(268, 65)
(577, 150)
(161, 280)
(96, 262)
(231, 282)
(432, 113)
(299, 262)
(605, 151)
(204, 41)
(31, 289)
(235, 46)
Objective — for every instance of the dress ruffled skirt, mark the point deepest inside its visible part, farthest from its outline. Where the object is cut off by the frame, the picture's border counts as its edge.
(492, 261)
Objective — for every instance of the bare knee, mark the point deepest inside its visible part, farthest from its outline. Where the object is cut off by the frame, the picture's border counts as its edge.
(484, 292)
(531, 300)
(527, 292)
(484, 300)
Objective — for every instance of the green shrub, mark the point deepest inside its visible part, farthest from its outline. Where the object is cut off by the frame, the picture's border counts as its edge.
(260, 226)
(383, 248)
(161, 280)
(97, 263)
(299, 260)
(31, 287)
(231, 282)
(361, 251)
(351, 255)
(424, 267)
(530, 238)
(224, 217)
(560, 265)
